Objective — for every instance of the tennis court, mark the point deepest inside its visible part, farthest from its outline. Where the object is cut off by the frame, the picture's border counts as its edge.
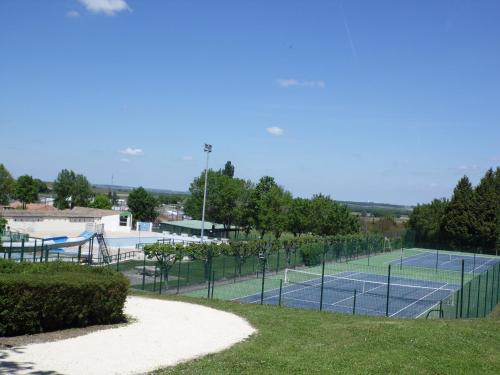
(357, 292)
(445, 260)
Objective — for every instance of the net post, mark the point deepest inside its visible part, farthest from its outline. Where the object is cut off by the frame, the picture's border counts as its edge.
(388, 290)
(144, 272)
(322, 280)
(354, 303)
(462, 288)
(281, 289)
(437, 259)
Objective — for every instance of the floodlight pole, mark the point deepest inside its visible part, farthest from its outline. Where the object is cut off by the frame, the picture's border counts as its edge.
(208, 150)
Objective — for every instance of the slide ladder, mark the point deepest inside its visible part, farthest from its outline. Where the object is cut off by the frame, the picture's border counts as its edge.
(103, 248)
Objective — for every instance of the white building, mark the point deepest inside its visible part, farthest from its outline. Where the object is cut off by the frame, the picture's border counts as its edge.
(65, 222)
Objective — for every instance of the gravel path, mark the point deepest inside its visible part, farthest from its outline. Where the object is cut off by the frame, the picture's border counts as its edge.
(164, 334)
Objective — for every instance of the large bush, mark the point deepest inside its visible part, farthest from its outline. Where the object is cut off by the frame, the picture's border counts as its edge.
(312, 253)
(45, 297)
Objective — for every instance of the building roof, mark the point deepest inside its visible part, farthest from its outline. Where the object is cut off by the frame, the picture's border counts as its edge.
(193, 224)
(80, 212)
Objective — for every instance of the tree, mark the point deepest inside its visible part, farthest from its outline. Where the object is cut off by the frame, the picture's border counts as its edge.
(113, 197)
(42, 186)
(299, 216)
(458, 221)
(71, 190)
(330, 218)
(101, 201)
(272, 211)
(427, 221)
(486, 210)
(142, 205)
(224, 196)
(26, 190)
(3, 224)
(6, 185)
(228, 169)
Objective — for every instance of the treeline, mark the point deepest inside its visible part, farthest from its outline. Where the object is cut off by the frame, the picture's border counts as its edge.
(470, 220)
(265, 206)
(25, 188)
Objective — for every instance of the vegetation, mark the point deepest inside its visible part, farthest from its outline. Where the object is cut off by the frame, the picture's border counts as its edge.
(101, 201)
(142, 205)
(41, 297)
(6, 185)
(26, 190)
(469, 220)
(265, 207)
(298, 341)
(71, 190)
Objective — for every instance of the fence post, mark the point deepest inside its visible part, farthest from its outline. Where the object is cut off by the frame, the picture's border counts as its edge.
(47, 253)
(263, 260)
(388, 290)
(468, 296)
(478, 295)
(437, 259)
(154, 280)
(322, 280)
(498, 284)
(295, 258)
(22, 250)
(161, 275)
(118, 261)
(354, 303)
(223, 265)
(278, 262)
(187, 277)
(41, 251)
(486, 292)
(492, 287)
(144, 272)
(281, 289)
(213, 283)
(34, 252)
(462, 288)
(474, 265)
(178, 276)
(79, 253)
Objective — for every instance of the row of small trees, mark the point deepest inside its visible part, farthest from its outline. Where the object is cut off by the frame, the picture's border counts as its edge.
(469, 220)
(266, 206)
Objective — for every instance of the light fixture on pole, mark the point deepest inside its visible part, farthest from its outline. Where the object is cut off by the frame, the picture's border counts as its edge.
(208, 150)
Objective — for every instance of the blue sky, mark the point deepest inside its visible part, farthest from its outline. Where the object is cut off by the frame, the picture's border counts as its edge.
(387, 101)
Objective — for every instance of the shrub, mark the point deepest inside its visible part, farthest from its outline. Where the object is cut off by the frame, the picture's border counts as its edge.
(311, 253)
(44, 297)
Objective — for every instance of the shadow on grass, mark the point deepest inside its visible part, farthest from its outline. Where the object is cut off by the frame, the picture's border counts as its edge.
(13, 367)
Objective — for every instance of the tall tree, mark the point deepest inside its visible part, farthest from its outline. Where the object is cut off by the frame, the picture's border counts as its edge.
(331, 218)
(101, 201)
(458, 221)
(142, 205)
(299, 216)
(6, 185)
(26, 190)
(228, 169)
(427, 221)
(486, 208)
(272, 208)
(71, 190)
(42, 186)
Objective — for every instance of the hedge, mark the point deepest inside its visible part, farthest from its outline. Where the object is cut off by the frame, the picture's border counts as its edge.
(44, 297)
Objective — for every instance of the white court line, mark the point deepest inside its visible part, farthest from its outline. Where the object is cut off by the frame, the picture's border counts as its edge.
(411, 257)
(420, 299)
(482, 265)
(296, 290)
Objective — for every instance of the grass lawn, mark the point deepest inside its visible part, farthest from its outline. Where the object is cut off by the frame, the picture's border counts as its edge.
(293, 341)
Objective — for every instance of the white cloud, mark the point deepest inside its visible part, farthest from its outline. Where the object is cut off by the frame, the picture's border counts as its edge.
(465, 167)
(125, 160)
(132, 151)
(294, 82)
(187, 158)
(73, 14)
(108, 7)
(274, 130)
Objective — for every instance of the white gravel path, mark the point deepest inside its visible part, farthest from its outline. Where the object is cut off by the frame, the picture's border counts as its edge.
(165, 333)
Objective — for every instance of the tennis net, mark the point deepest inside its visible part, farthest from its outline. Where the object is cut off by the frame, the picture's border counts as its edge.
(370, 284)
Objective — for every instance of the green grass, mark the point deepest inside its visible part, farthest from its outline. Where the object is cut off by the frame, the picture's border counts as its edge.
(293, 341)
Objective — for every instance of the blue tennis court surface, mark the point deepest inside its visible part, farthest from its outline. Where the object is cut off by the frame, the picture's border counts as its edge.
(408, 298)
(446, 261)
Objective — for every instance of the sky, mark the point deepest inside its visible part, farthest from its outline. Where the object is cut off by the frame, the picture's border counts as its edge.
(384, 101)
